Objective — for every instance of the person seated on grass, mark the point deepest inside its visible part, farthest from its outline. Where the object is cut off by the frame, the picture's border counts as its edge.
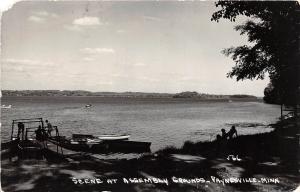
(224, 134)
(232, 132)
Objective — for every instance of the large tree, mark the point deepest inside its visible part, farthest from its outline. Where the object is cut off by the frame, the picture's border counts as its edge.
(273, 34)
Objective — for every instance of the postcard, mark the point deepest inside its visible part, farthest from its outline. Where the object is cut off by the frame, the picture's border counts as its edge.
(150, 96)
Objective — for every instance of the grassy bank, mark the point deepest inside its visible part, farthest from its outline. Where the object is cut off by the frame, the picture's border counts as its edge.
(268, 155)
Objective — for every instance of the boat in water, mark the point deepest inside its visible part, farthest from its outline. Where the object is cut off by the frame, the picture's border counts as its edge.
(88, 106)
(102, 144)
(6, 106)
(101, 137)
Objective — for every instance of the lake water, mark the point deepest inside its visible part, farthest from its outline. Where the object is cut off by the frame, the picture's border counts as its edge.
(163, 122)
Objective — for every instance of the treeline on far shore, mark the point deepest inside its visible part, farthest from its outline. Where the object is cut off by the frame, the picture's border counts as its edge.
(59, 93)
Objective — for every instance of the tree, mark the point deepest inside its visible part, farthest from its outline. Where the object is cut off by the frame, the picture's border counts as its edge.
(273, 33)
(271, 94)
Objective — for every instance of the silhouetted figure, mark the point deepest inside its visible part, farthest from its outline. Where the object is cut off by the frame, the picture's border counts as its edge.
(39, 134)
(219, 143)
(232, 132)
(21, 128)
(224, 134)
(49, 127)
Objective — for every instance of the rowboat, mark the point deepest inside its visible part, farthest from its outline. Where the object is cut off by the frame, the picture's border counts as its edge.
(95, 145)
(5, 106)
(88, 105)
(101, 137)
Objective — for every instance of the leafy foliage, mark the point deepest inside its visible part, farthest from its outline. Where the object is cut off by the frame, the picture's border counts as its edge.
(273, 30)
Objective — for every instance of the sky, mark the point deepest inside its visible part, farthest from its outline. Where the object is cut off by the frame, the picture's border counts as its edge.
(165, 47)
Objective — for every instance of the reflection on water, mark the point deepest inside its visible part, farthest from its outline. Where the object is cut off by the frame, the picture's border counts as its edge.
(161, 121)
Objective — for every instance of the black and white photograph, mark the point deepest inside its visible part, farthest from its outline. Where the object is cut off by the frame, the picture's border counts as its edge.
(150, 96)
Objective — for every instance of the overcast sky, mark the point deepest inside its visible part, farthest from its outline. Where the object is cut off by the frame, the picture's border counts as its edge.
(119, 46)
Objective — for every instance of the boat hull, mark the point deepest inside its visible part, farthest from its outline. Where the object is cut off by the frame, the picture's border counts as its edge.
(101, 137)
(105, 146)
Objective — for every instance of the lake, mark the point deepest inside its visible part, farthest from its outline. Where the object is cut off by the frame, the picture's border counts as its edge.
(162, 121)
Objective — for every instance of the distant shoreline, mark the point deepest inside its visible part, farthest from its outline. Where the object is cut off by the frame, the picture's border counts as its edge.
(152, 99)
(182, 95)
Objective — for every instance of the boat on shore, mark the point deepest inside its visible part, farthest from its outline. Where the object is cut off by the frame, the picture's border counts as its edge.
(101, 137)
(96, 145)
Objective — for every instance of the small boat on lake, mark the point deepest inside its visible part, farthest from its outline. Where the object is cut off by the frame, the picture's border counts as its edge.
(5, 106)
(88, 106)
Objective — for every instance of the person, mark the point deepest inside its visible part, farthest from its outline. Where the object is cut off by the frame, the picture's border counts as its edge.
(39, 134)
(21, 130)
(218, 143)
(224, 134)
(232, 132)
(49, 127)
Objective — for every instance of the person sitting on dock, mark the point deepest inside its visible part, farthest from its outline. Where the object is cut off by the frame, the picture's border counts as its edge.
(232, 132)
(49, 127)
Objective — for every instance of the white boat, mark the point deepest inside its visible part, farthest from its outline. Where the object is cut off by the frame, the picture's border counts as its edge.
(112, 137)
(87, 141)
(104, 137)
(5, 106)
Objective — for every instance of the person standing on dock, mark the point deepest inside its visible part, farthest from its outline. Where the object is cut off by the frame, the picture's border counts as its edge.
(21, 127)
(49, 127)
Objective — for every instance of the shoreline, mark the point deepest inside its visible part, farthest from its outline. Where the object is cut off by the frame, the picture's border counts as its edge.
(263, 156)
(138, 98)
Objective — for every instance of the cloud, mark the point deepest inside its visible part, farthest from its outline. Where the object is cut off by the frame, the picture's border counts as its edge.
(189, 78)
(12, 68)
(119, 75)
(45, 14)
(27, 62)
(88, 59)
(104, 83)
(87, 21)
(25, 65)
(149, 79)
(36, 19)
(72, 27)
(152, 18)
(139, 64)
(97, 50)
(41, 16)
(80, 24)
(121, 31)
